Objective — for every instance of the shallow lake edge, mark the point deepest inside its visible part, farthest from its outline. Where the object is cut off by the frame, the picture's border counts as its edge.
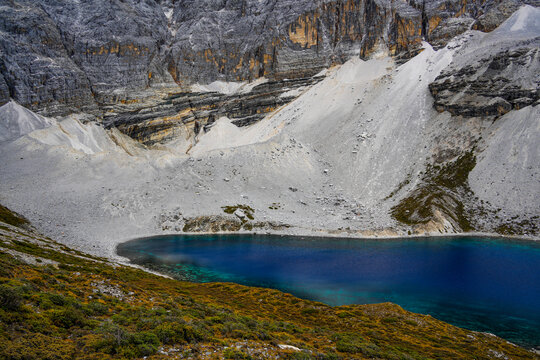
(481, 235)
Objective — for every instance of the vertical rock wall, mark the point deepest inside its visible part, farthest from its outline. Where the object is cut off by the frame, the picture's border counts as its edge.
(60, 57)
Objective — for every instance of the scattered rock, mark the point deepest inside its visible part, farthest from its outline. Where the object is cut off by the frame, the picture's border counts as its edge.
(288, 347)
(239, 213)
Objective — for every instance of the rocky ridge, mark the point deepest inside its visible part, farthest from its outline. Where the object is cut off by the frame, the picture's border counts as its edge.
(488, 84)
(61, 58)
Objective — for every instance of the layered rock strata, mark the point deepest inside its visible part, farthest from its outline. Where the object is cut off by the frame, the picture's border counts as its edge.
(490, 85)
(163, 120)
(58, 58)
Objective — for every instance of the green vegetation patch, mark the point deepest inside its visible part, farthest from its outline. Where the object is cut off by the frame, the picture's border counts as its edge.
(9, 217)
(248, 210)
(439, 191)
(528, 226)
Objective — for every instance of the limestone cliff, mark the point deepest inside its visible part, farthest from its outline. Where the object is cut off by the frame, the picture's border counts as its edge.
(58, 58)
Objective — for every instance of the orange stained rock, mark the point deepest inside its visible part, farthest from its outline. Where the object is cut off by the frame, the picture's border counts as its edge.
(266, 109)
(239, 66)
(174, 118)
(253, 63)
(409, 33)
(172, 71)
(114, 48)
(433, 23)
(304, 31)
(350, 5)
(267, 59)
(131, 101)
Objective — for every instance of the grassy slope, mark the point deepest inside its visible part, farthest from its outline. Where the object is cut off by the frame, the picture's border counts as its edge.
(56, 303)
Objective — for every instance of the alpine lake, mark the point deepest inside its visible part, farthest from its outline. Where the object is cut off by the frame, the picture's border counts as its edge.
(483, 284)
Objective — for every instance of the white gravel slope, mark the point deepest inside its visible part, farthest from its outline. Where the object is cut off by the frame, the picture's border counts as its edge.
(329, 159)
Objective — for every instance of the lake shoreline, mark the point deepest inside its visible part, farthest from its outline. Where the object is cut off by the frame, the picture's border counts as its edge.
(320, 234)
(364, 273)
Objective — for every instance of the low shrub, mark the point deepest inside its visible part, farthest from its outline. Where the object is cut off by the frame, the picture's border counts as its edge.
(178, 333)
(236, 354)
(37, 347)
(67, 318)
(143, 343)
(95, 308)
(11, 297)
(353, 343)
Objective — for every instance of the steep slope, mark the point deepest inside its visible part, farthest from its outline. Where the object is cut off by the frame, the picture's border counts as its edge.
(19, 121)
(61, 58)
(59, 303)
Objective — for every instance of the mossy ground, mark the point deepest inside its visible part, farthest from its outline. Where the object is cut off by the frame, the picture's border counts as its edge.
(440, 190)
(248, 210)
(11, 218)
(79, 307)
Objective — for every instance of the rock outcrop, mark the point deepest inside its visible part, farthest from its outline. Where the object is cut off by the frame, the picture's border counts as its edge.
(36, 66)
(4, 91)
(59, 57)
(501, 74)
(162, 120)
(494, 15)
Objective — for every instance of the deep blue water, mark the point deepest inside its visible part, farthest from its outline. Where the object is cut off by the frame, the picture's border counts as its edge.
(481, 284)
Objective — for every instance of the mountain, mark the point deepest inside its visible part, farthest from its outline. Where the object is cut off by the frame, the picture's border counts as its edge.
(360, 118)
(371, 118)
(59, 58)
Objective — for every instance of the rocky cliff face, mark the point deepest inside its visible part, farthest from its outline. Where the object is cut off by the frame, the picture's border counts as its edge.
(492, 85)
(62, 57)
(495, 75)
(186, 114)
(59, 58)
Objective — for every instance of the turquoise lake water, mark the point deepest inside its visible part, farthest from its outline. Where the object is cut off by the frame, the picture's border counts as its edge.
(480, 284)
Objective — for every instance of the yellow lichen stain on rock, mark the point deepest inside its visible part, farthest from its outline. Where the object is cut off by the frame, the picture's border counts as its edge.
(462, 10)
(433, 23)
(210, 58)
(130, 101)
(239, 65)
(267, 59)
(304, 30)
(409, 34)
(114, 48)
(172, 70)
(349, 6)
(252, 64)
(177, 117)
(266, 110)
